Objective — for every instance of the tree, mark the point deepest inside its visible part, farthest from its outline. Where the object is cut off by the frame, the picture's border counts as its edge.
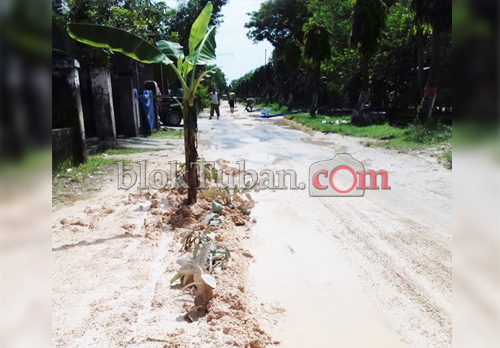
(201, 52)
(438, 14)
(342, 68)
(317, 48)
(281, 22)
(396, 66)
(368, 20)
(394, 55)
(217, 81)
(145, 18)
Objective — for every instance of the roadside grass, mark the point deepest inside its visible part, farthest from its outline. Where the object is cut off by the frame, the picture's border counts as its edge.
(129, 151)
(95, 163)
(275, 108)
(413, 137)
(169, 134)
(382, 132)
(99, 162)
(72, 183)
(418, 137)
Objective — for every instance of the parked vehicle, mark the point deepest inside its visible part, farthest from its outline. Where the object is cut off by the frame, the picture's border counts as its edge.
(170, 110)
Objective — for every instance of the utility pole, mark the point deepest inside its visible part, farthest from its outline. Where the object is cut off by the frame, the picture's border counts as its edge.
(265, 58)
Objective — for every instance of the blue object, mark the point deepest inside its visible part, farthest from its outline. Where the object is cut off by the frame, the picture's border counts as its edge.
(267, 115)
(147, 105)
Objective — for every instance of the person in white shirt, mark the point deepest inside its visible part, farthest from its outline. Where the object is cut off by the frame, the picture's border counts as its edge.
(214, 104)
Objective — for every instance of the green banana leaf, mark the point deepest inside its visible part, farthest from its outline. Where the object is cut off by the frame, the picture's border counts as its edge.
(172, 50)
(199, 28)
(205, 52)
(187, 67)
(209, 72)
(117, 40)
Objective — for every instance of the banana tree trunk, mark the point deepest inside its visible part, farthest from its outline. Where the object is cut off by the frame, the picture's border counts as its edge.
(191, 153)
(425, 112)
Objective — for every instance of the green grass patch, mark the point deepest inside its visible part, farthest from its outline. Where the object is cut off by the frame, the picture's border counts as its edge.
(71, 183)
(412, 137)
(95, 163)
(169, 133)
(128, 151)
(418, 137)
(275, 108)
(327, 124)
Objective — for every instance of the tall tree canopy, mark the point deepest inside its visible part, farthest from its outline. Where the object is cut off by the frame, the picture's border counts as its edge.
(383, 47)
(149, 19)
(281, 22)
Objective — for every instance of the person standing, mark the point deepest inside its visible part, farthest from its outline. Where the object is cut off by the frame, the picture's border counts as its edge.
(214, 104)
(232, 99)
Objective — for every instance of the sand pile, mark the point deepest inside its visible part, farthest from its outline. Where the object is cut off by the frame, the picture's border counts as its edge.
(232, 318)
(114, 255)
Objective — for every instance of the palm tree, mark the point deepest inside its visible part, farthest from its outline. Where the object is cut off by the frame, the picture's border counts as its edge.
(201, 52)
(317, 48)
(368, 20)
(437, 13)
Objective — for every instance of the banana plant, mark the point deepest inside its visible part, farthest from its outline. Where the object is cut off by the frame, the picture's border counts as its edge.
(201, 53)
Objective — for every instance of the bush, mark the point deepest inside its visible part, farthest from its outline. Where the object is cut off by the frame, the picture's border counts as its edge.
(203, 97)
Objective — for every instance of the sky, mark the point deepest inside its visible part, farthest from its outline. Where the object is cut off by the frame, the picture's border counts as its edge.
(231, 38)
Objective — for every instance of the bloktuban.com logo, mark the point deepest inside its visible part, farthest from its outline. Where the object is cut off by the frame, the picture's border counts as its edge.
(344, 176)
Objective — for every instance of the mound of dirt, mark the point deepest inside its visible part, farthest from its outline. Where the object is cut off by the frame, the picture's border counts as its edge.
(225, 168)
(114, 255)
(231, 311)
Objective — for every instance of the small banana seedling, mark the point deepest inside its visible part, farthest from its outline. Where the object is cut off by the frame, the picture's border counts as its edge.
(195, 271)
(206, 256)
(211, 173)
(228, 197)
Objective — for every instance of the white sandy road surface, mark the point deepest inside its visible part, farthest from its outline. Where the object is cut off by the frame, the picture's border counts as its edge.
(322, 272)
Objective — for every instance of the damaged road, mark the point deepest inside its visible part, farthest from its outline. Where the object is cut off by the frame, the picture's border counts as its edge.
(351, 272)
(311, 272)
